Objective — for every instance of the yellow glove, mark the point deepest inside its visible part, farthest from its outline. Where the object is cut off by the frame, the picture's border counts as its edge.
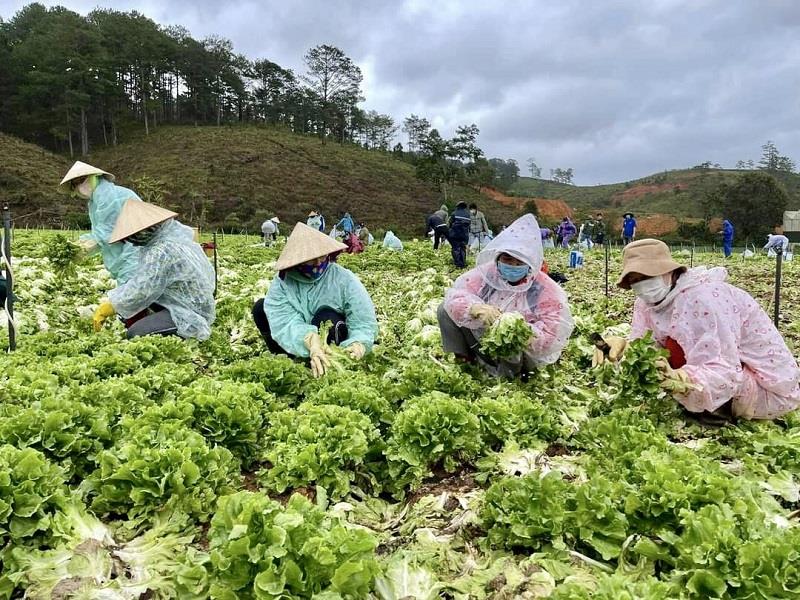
(103, 312)
(676, 381)
(317, 353)
(486, 313)
(357, 350)
(616, 348)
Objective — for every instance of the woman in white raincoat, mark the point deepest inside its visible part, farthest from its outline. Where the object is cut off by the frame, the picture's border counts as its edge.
(507, 278)
(726, 355)
(172, 291)
(105, 200)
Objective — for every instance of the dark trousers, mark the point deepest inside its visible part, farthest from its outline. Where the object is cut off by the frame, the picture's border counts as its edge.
(458, 248)
(336, 335)
(439, 235)
(154, 320)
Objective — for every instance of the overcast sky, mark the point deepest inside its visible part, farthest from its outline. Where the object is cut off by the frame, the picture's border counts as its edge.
(614, 89)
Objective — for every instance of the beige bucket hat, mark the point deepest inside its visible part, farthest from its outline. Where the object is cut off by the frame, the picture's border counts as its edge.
(80, 170)
(137, 215)
(304, 244)
(648, 257)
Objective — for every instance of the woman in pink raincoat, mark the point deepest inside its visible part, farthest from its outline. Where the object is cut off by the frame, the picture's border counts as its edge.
(720, 340)
(507, 278)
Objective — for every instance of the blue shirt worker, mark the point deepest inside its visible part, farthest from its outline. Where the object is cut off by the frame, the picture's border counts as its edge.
(172, 290)
(346, 224)
(628, 228)
(309, 290)
(727, 238)
(105, 201)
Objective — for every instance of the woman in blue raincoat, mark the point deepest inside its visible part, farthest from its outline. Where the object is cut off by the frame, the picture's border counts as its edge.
(172, 290)
(310, 289)
(105, 200)
(727, 238)
(346, 224)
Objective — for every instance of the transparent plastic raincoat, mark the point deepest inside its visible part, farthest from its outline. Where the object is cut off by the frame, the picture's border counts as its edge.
(730, 345)
(120, 259)
(538, 298)
(174, 272)
(292, 302)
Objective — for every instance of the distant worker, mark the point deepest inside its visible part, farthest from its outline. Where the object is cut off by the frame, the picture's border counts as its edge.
(628, 229)
(508, 278)
(269, 229)
(547, 237)
(347, 225)
(566, 231)
(315, 221)
(364, 236)
(777, 243)
(586, 233)
(727, 238)
(105, 200)
(308, 290)
(725, 354)
(437, 223)
(599, 229)
(478, 227)
(172, 290)
(458, 235)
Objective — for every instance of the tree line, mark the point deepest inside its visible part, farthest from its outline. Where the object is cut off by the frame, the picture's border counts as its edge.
(68, 82)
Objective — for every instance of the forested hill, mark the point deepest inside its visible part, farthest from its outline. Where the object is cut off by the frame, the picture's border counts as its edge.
(238, 176)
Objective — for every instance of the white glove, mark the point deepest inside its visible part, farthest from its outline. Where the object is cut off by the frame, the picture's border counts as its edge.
(357, 350)
(486, 313)
(317, 353)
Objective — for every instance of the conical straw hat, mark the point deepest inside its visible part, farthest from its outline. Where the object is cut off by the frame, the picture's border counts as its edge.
(304, 244)
(137, 215)
(81, 169)
(275, 220)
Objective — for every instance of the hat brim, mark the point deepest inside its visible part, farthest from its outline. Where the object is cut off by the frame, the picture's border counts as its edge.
(648, 269)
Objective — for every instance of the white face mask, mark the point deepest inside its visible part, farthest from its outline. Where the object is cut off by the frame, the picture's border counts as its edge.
(84, 190)
(653, 290)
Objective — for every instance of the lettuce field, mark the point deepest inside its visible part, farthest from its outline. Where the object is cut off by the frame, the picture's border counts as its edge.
(161, 468)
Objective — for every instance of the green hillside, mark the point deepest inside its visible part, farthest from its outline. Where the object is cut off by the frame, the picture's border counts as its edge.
(239, 176)
(678, 193)
(28, 179)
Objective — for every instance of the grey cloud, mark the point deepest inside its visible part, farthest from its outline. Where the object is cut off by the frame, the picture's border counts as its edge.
(616, 90)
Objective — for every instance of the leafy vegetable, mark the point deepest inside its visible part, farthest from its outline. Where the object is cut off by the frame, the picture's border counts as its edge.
(507, 337)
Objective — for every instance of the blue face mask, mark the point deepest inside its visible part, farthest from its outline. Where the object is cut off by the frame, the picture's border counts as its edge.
(314, 271)
(511, 273)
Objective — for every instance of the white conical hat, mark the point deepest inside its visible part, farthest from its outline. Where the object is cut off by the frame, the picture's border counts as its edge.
(304, 244)
(275, 220)
(137, 215)
(81, 169)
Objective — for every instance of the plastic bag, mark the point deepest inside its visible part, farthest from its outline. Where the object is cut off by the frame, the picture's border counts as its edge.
(334, 233)
(391, 241)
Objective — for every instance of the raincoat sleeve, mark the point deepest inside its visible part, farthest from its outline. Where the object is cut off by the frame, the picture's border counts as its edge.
(362, 325)
(287, 323)
(640, 324)
(552, 324)
(146, 286)
(459, 298)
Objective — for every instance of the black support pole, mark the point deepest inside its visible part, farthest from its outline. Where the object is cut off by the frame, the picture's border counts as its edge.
(12, 333)
(215, 264)
(606, 245)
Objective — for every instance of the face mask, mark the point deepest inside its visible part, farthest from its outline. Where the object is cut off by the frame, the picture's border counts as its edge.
(652, 290)
(314, 271)
(511, 273)
(85, 189)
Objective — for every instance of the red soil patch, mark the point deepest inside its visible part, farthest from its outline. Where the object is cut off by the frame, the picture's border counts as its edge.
(655, 225)
(637, 191)
(548, 209)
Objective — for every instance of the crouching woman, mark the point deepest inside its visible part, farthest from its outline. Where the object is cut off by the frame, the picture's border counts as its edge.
(508, 278)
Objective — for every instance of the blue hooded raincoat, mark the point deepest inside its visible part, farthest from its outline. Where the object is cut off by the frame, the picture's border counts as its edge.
(120, 259)
(292, 302)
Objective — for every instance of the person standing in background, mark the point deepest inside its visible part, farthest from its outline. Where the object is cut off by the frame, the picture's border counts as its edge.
(628, 229)
(459, 234)
(727, 238)
(599, 229)
(478, 227)
(438, 223)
